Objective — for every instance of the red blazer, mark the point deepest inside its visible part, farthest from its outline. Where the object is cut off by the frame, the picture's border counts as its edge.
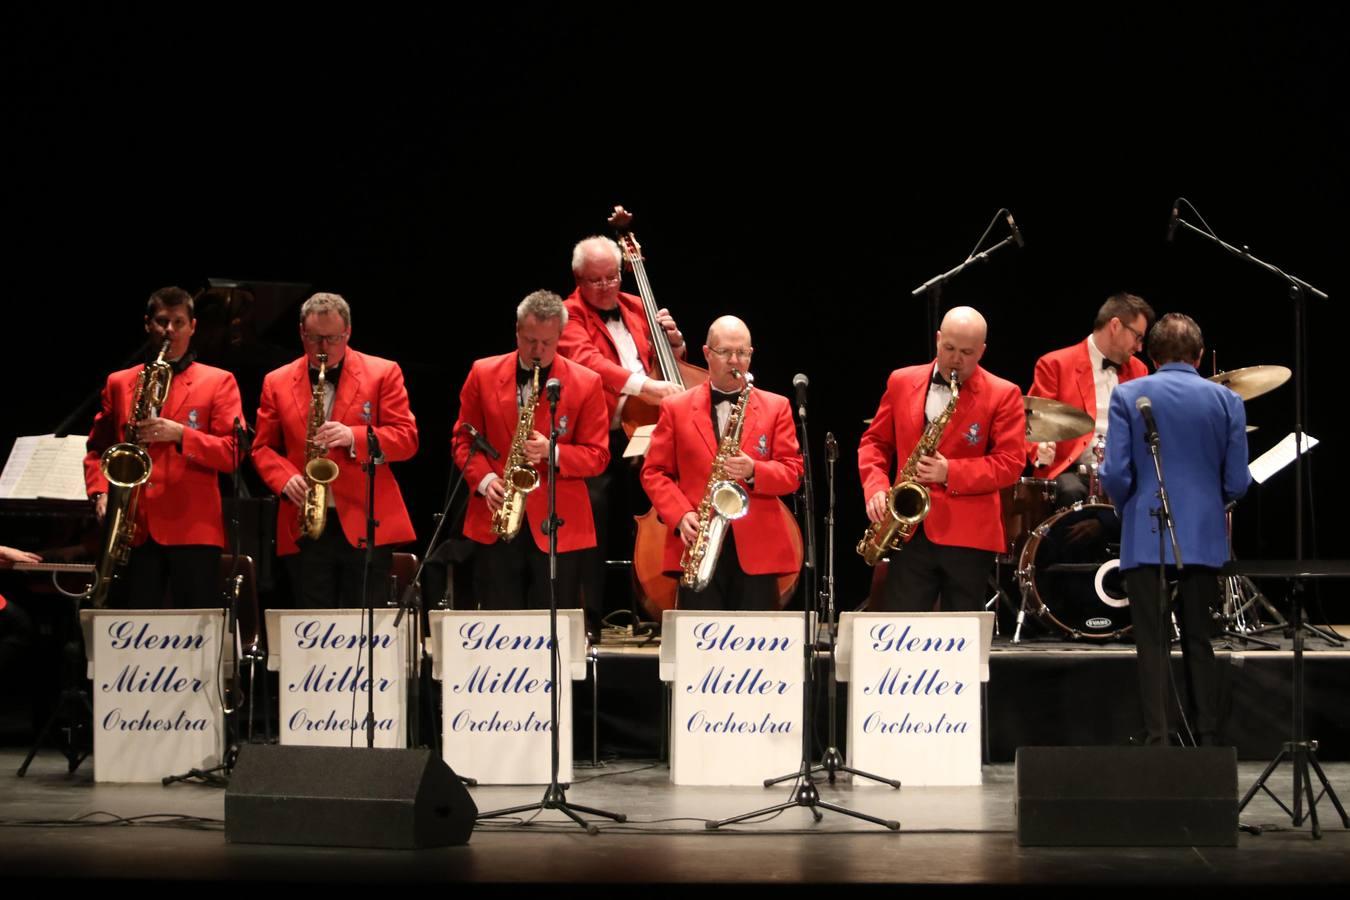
(984, 443)
(180, 504)
(586, 340)
(1066, 375)
(679, 462)
(488, 401)
(370, 391)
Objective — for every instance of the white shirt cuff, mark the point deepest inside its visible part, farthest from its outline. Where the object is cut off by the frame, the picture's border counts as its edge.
(487, 479)
(634, 384)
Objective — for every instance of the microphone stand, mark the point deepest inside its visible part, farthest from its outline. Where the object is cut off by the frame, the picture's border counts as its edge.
(374, 458)
(555, 797)
(219, 775)
(1163, 513)
(1301, 751)
(805, 793)
(933, 286)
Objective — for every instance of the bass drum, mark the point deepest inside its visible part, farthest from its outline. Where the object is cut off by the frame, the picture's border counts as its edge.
(1069, 572)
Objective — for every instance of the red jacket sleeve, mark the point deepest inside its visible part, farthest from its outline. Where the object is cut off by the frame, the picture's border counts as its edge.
(102, 436)
(782, 474)
(660, 469)
(471, 411)
(269, 445)
(876, 450)
(1045, 383)
(576, 344)
(588, 453)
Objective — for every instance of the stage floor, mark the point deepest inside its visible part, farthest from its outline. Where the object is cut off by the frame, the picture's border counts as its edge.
(949, 837)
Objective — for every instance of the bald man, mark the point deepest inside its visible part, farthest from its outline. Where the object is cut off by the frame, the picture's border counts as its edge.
(947, 563)
(758, 547)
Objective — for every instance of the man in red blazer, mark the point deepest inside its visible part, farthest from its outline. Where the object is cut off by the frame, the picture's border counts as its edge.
(513, 573)
(179, 529)
(608, 333)
(362, 393)
(758, 547)
(1084, 375)
(981, 451)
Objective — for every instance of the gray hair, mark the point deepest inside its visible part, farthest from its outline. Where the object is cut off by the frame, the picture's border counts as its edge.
(592, 243)
(543, 305)
(324, 303)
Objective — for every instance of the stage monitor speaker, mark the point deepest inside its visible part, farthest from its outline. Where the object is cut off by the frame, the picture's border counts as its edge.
(1127, 796)
(346, 797)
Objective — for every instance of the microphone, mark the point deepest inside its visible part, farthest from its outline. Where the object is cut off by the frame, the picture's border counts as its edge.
(831, 447)
(553, 387)
(1016, 232)
(373, 447)
(1145, 407)
(801, 382)
(1172, 221)
(481, 443)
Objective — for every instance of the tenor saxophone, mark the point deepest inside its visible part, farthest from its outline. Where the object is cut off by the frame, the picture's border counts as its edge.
(908, 501)
(127, 467)
(724, 501)
(519, 475)
(320, 471)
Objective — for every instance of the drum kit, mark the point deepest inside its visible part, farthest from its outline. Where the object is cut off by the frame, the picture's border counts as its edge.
(1067, 565)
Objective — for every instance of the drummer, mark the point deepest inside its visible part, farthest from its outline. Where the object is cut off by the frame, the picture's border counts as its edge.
(1084, 375)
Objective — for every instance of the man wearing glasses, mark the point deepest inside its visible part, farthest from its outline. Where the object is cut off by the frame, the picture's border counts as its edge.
(982, 451)
(1084, 376)
(360, 391)
(758, 547)
(607, 332)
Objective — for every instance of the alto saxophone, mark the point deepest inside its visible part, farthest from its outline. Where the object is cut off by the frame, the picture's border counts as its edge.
(127, 467)
(320, 471)
(519, 475)
(908, 501)
(724, 501)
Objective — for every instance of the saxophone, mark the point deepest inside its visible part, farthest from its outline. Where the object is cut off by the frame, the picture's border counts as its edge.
(127, 467)
(319, 469)
(724, 501)
(908, 501)
(519, 475)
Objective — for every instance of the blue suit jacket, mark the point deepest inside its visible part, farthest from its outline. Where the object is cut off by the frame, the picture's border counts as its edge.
(1202, 426)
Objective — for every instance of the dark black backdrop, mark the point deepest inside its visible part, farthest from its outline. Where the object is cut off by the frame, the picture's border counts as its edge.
(803, 170)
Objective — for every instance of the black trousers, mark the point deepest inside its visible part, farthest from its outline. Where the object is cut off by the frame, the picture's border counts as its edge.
(925, 576)
(1070, 488)
(1197, 592)
(328, 571)
(160, 576)
(616, 497)
(731, 588)
(514, 575)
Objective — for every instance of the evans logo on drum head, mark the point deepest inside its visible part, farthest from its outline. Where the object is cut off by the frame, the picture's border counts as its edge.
(1098, 623)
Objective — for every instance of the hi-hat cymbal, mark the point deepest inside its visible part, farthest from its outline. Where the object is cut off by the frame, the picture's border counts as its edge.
(1051, 420)
(1252, 381)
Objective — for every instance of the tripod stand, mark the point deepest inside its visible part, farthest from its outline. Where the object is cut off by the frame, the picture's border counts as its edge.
(555, 797)
(1240, 593)
(805, 794)
(73, 713)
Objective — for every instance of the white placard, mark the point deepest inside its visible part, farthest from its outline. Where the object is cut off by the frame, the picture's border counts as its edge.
(914, 698)
(324, 677)
(157, 708)
(497, 695)
(736, 684)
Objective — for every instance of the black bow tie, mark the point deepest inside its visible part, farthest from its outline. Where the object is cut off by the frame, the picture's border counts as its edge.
(610, 315)
(724, 396)
(525, 376)
(181, 363)
(940, 381)
(1110, 364)
(330, 375)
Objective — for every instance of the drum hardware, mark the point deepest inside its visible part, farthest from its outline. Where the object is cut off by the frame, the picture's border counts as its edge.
(1074, 586)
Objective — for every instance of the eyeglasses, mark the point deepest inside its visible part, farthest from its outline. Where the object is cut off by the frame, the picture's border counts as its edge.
(1138, 335)
(603, 280)
(315, 340)
(724, 353)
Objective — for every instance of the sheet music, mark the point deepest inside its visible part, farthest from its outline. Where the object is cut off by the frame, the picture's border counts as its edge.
(1277, 457)
(44, 466)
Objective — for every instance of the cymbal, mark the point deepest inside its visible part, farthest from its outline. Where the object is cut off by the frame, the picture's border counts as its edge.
(1252, 381)
(1051, 420)
(1251, 428)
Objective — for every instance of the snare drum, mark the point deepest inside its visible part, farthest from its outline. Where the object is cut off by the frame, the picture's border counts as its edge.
(1025, 504)
(1069, 571)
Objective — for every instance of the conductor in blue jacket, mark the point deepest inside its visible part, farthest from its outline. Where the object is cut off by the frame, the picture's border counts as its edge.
(1202, 432)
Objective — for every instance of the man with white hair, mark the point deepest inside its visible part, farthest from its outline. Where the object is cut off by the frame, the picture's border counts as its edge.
(981, 451)
(361, 392)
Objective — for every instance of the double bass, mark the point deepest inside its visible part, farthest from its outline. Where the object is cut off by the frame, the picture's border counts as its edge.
(657, 591)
